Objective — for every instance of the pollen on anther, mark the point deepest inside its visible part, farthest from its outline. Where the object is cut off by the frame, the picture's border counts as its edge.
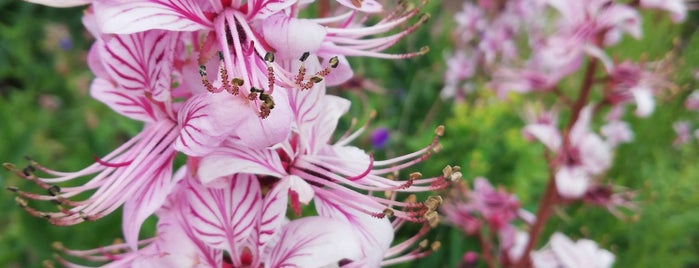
(305, 56)
(269, 57)
(439, 131)
(334, 62)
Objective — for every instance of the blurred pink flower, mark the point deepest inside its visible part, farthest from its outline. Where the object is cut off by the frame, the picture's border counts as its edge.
(683, 131)
(484, 206)
(563, 252)
(584, 156)
(677, 8)
(692, 101)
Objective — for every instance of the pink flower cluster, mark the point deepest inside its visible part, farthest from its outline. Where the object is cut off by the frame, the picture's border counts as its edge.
(546, 47)
(239, 87)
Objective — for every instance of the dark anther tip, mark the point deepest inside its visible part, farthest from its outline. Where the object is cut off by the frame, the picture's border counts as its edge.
(304, 56)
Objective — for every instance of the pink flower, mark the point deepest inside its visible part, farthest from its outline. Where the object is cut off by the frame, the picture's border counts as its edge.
(683, 131)
(485, 206)
(309, 167)
(677, 8)
(563, 252)
(692, 101)
(632, 82)
(585, 155)
(199, 224)
(617, 132)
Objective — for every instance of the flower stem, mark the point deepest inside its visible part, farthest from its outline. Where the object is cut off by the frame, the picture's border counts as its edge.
(550, 198)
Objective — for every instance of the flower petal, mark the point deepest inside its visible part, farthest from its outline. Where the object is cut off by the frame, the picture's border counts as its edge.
(291, 37)
(133, 105)
(374, 234)
(224, 217)
(261, 133)
(131, 16)
(572, 182)
(314, 242)
(367, 6)
(207, 119)
(60, 3)
(237, 158)
(141, 61)
(148, 198)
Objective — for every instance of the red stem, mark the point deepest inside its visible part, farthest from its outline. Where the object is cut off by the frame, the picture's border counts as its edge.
(551, 198)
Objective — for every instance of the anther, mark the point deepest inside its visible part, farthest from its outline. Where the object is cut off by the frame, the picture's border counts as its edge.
(423, 243)
(47, 264)
(424, 17)
(28, 171)
(21, 202)
(388, 212)
(436, 245)
(54, 190)
(411, 199)
(424, 50)
(56, 245)
(433, 202)
(357, 3)
(439, 131)
(305, 56)
(238, 82)
(9, 166)
(432, 218)
(334, 61)
(220, 55)
(12, 188)
(269, 57)
(415, 176)
(316, 79)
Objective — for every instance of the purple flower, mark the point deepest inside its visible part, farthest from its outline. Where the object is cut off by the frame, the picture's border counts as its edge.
(379, 137)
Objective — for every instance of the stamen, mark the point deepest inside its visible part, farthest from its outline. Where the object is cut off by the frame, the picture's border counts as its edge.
(204, 80)
(433, 202)
(267, 105)
(269, 58)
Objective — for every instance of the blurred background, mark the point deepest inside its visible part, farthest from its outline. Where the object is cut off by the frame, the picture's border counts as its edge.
(46, 113)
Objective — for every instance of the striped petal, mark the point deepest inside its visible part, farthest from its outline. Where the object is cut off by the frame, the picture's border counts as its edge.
(129, 16)
(130, 104)
(141, 61)
(237, 158)
(206, 120)
(148, 198)
(224, 217)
